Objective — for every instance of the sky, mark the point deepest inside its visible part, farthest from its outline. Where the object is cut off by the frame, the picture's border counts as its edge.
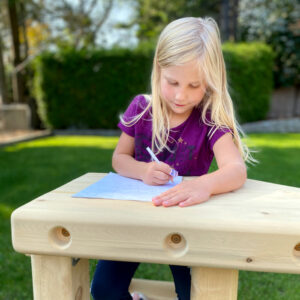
(121, 12)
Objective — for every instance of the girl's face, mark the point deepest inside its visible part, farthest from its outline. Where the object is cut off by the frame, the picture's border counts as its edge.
(182, 88)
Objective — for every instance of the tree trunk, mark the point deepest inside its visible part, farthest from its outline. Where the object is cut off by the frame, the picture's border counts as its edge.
(229, 15)
(17, 80)
(22, 14)
(224, 20)
(234, 20)
(3, 92)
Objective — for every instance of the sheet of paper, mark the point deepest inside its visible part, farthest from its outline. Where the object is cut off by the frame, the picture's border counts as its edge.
(114, 186)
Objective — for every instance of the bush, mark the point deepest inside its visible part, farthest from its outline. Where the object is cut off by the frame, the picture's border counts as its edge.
(277, 24)
(249, 69)
(89, 89)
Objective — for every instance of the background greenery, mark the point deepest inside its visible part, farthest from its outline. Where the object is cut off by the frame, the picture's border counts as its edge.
(90, 88)
(27, 27)
(30, 169)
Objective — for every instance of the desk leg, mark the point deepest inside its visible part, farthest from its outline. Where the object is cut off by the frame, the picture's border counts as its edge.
(55, 277)
(214, 284)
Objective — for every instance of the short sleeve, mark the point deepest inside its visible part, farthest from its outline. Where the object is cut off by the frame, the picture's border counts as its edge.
(215, 134)
(137, 105)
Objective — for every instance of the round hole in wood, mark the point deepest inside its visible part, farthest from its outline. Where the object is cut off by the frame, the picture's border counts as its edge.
(176, 238)
(175, 244)
(60, 237)
(296, 250)
(297, 247)
(65, 232)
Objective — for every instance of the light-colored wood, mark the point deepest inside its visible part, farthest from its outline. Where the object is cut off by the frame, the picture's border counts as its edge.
(214, 284)
(57, 278)
(255, 228)
(154, 289)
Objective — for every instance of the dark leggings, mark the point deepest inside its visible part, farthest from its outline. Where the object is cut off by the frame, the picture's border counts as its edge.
(112, 279)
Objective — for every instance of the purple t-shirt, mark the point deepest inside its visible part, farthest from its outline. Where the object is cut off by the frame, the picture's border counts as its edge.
(191, 146)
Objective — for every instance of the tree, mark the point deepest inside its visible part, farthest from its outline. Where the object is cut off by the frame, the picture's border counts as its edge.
(275, 22)
(3, 92)
(228, 19)
(76, 25)
(34, 25)
(153, 15)
(17, 80)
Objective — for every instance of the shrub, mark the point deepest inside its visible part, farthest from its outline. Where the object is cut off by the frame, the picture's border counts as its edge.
(89, 89)
(249, 69)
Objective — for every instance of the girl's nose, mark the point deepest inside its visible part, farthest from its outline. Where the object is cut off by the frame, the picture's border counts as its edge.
(180, 95)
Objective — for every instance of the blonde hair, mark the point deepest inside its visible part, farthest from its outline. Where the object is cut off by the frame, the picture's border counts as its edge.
(182, 41)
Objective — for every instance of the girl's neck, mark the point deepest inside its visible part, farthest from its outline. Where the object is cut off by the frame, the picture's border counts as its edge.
(176, 120)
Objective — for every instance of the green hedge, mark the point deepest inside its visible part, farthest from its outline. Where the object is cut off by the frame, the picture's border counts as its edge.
(249, 68)
(89, 89)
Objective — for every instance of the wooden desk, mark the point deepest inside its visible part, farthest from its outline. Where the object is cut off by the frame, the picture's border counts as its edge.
(255, 228)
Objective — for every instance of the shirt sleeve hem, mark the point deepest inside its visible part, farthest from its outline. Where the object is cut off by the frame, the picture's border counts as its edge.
(126, 129)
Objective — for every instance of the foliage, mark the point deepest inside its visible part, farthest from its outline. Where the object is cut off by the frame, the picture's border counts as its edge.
(153, 15)
(89, 89)
(81, 21)
(37, 34)
(250, 79)
(30, 169)
(275, 22)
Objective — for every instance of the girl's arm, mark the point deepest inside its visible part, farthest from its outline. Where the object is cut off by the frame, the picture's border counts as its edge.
(231, 175)
(124, 164)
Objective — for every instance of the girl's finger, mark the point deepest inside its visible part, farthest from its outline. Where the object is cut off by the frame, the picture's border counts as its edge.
(162, 176)
(174, 200)
(158, 181)
(188, 202)
(157, 200)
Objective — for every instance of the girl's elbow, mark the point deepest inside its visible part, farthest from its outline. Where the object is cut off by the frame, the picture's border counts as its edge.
(243, 174)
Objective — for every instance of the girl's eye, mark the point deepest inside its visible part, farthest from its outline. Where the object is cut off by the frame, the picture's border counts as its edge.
(173, 83)
(194, 86)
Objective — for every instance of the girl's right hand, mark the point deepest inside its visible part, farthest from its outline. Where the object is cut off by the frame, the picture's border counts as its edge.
(157, 173)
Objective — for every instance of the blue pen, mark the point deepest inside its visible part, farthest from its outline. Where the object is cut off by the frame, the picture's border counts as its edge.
(173, 172)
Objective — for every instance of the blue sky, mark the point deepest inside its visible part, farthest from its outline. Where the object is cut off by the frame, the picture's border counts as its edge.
(121, 12)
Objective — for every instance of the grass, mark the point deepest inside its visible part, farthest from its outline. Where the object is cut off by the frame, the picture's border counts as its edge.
(30, 169)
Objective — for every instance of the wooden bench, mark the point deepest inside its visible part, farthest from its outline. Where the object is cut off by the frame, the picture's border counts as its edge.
(255, 228)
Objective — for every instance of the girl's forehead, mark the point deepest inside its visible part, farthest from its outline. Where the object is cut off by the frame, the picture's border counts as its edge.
(188, 70)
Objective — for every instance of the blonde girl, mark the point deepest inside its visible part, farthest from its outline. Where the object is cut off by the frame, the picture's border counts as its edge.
(187, 120)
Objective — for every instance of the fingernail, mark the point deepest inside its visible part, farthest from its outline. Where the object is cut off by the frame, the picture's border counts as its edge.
(166, 203)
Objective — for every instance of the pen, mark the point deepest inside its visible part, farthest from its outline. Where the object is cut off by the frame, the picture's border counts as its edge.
(173, 172)
(152, 154)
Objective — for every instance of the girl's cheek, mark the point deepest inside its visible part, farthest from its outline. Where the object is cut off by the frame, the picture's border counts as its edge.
(167, 91)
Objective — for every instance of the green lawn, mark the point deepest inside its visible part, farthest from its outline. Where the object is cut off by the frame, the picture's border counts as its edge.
(30, 169)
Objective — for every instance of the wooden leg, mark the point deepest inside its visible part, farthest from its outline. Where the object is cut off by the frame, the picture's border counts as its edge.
(60, 278)
(214, 284)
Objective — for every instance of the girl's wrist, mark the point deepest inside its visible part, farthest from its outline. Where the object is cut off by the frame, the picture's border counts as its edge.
(205, 182)
(142, 169)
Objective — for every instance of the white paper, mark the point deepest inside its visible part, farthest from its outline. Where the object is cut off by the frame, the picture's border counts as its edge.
(114, 186)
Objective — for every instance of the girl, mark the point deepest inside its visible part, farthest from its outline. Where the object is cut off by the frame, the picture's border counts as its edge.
(187, 120)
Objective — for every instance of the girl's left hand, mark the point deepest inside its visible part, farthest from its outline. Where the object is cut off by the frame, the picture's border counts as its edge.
(186, 193)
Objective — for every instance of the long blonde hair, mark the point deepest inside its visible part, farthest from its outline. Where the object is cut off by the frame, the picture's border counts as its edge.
(182, 41)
